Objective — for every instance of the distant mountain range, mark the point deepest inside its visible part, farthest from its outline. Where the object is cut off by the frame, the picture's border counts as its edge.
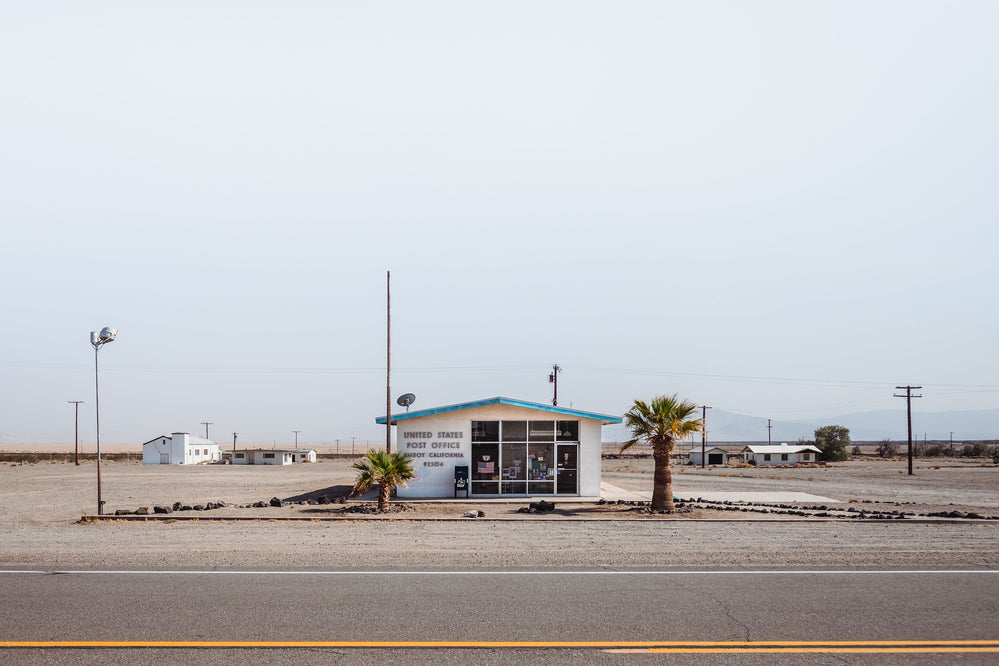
(725, 426)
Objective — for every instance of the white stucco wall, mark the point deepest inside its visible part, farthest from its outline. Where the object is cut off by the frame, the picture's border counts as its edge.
(181, 449)
(439, 442)
(694, 456)
(151, 450)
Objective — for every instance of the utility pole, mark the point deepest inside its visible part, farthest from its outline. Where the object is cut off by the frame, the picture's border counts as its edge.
(553, 379)
(76, 454)
(952, 443)
(769, 430)
(296, 437)
(206, 424)
(234, 441)
(352, 439)
(908, 412)
(388, 361)
(704, 432)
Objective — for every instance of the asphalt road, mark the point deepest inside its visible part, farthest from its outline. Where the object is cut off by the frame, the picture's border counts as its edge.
(500, 617)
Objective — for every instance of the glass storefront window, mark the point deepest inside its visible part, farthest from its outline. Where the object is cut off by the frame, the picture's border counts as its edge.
(541, 462)
(485, 469)
(542, 431)
(567, 431)
(514, 431)
(485, 431)
(514, 462)
(519, 457)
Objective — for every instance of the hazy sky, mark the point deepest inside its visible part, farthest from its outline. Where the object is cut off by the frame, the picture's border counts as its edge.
(780, 209)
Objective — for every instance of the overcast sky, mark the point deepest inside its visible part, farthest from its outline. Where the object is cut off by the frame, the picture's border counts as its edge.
(779, 209)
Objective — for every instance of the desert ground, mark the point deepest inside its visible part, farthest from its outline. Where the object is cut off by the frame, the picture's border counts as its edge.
(41, 506)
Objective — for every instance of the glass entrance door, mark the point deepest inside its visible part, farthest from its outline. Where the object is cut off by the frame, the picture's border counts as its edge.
(567, 470)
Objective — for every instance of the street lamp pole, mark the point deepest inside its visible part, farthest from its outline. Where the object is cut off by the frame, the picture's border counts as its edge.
(98, 340)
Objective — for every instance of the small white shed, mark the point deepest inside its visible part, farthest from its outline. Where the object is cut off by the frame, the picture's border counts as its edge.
(273, 456)
(781, 454)
(715, 455)
(180, 448)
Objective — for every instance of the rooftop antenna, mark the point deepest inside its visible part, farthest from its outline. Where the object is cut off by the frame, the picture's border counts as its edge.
(405, 400)
(553, 379)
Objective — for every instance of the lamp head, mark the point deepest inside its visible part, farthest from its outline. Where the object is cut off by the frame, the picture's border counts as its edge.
(108, 334)
(94, 338)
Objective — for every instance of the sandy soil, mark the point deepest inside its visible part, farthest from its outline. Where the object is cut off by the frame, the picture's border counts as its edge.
(41, 504)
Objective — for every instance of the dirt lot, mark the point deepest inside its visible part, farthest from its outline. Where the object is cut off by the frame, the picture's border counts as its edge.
(41, 504)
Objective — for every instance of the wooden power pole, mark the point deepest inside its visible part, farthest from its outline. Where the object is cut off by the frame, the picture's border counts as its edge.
(704, 432)
(76, 448)
(908, 412)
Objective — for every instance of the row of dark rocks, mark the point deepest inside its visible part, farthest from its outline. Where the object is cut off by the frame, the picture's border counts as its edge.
(272, 502)
(814, 511)
(176, 506)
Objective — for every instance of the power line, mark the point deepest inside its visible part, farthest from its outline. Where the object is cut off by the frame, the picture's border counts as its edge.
(941, 388)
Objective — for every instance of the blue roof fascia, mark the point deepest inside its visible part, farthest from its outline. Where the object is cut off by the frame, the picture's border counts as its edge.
(604, 418)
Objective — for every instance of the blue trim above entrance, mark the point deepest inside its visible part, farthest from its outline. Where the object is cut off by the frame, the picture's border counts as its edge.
(603, 418)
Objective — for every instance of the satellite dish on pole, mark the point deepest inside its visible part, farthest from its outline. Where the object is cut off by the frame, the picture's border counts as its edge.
(405, 400)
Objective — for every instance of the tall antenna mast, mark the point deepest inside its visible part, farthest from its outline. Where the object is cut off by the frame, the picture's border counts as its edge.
(553, 379)
(388, 361)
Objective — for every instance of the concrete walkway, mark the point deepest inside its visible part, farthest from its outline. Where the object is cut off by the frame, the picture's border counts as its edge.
(612, 493)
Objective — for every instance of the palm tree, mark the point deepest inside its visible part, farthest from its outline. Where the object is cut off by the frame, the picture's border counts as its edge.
(388, 470)
(661, 423)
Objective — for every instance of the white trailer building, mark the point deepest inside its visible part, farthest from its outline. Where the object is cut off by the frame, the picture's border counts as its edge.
(180, 448)
(782, 454)
(272, 456)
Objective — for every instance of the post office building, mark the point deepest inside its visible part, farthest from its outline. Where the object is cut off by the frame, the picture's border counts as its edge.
(501, 447)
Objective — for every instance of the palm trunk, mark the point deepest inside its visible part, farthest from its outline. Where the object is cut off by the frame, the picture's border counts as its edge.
(662, 483)
(383, 496)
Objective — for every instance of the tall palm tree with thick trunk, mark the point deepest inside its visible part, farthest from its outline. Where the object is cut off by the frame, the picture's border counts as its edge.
(660, 423)
(388, 470)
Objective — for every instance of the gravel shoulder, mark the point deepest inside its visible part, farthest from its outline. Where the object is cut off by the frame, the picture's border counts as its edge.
(41, 504)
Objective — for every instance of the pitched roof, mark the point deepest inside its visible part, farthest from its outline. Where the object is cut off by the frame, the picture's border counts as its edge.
(697, 449)
(191, 439)
(603, 418)
(782, 448)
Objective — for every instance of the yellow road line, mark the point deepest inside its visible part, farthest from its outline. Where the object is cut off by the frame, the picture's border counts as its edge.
(651, 646)
(801, 650)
